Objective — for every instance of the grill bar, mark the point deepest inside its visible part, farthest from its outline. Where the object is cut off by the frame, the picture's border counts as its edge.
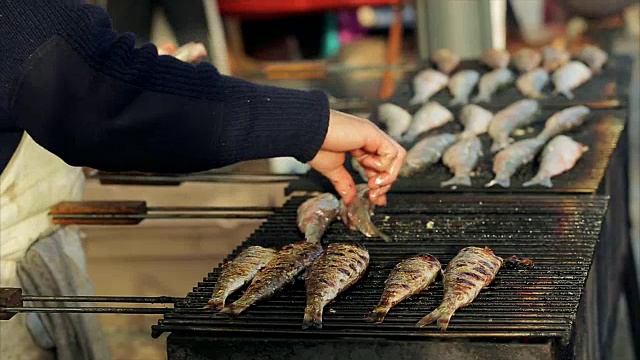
(103, 310)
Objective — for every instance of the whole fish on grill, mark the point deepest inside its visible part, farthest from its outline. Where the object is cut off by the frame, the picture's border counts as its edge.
(475, 120)
(426, 84)
(461, 86)
(492, 82)
(461, 158)
(430, 116)
(238, 272)
(495, 58)
(553, 57)
(426, 152)
(564, 120)
(409, 277)
(526, 59)
(593, 56)
(288, 263)
(530, 84)
(337, 269)
(558, 156)
(357, 216)
(446, 61)
(509, 160)
(316, 214)
(395, 118)
(504, 122)
(470, 271)
(569, 77)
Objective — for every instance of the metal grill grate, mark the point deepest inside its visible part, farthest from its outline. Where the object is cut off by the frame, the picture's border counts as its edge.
(558, 232)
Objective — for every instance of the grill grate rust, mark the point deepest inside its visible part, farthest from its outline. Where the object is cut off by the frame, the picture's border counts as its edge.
(558, 232)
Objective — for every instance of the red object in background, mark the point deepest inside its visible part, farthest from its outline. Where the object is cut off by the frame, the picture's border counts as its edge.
(268, 8)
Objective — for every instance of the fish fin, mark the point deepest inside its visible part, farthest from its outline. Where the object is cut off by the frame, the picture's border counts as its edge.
(481, 98)
(233, 310)
(457, 180)
(442, 314)
(568, 94)
(312, 317)
(378, 314)
(539, 180)
(505, 183)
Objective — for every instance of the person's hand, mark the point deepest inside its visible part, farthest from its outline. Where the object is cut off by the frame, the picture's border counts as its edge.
(379, 155)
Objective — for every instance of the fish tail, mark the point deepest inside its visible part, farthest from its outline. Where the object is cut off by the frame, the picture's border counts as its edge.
(504, 182)
(442, 314)
(378, 314)
(567, 93)
(233, 310)
(383, 236)
(312, 316)
(539, 180)
(457, 180)
(481, 98)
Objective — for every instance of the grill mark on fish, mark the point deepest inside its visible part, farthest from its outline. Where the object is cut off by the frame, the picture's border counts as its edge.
(482, 270)
(473, 275)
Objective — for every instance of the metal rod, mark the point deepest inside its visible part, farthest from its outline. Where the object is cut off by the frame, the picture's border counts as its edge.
(212, 208)
(233, 178)
(159, 216)
(105, 310)
(118, 299)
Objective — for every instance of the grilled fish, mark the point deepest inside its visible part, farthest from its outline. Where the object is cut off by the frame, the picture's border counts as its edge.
(569, 77)
(560, 155)
(316, 214)
(526, 59)
(564, 120)
(461, 86)
(594, 57)
(396, 119)
(357, 216)
(505, 121)
(553, 57)
(475, 120)
(426, 152)
(492, 82)
(509, 160)
(531, 83)
(341, 266)
(238, 272)
(446, 61)
(430, 116)
(461, 158)
(288, 263)
(426, 84)
(409, 277)
(465, 276)
(495, 58)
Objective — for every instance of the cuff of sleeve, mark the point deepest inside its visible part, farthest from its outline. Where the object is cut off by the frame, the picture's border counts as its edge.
(266, 122)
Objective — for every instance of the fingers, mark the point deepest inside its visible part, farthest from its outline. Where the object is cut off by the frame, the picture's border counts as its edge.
(343, 183)
(379, 195)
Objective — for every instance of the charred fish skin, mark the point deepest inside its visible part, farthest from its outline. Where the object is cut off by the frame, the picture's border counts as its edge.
(569, 77)
(409, 277)
(495, 58)
(564, 120)
(490, 83)
(288, 263)
(426, 152)
(470, 271)
(426, 84)
(475, 120)
(518, 114)
(316, 214)
(446, 61)
(337, 269)
(396, 119)
(509, 160)
(560, 155)
(238, 272)
(526, 59)
(461, 158)
(594, 57)
(530, 84)
(357, 216)
(461, 86)
(430, 116)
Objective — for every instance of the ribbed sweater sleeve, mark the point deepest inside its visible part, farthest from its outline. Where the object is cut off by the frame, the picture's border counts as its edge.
(87, 94)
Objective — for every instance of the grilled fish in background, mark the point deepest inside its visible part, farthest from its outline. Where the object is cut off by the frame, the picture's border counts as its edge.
(469, 272)
(316, 214)
(594, 57)
(509, 160)
(430, 116)
(518, 114)
(341, 266)
(569, 77)
(446, 61)
(475, 120)
(461, 86)
(492, 82)
(564, 120)
(357, 216)
(409, 277)
(426, 152)
(461, 158)
(526, 59)
(238, 272)
(396, 119)
(530, 84)
(288, 263)
(560, 155)
(495, 58)
(553, 57)
(426, 84)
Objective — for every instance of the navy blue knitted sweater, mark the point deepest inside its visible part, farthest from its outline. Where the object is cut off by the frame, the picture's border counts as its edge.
(88, 95)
